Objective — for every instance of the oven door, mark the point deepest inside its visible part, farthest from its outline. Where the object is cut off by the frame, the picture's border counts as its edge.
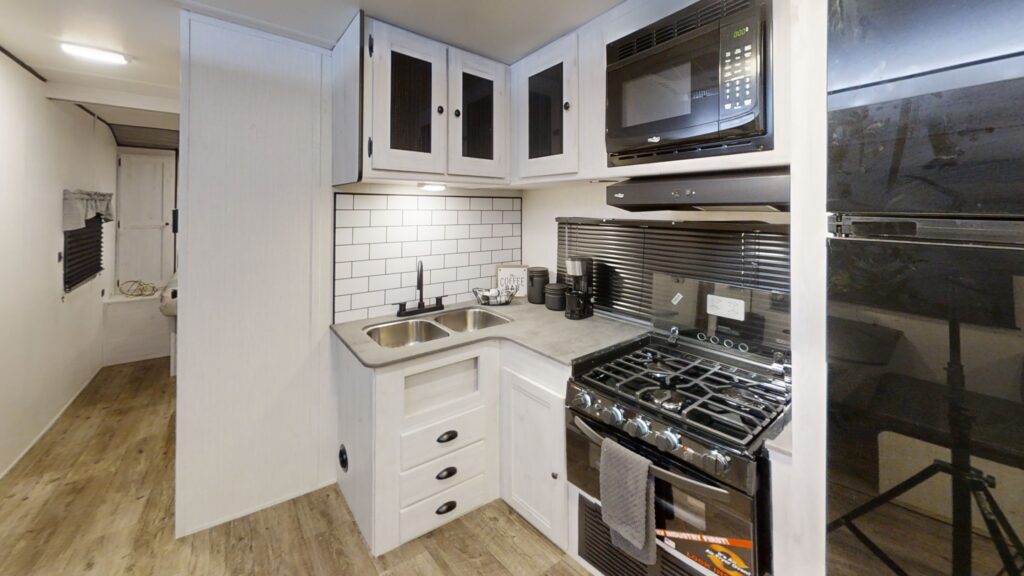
(708, 525)
(665, 95)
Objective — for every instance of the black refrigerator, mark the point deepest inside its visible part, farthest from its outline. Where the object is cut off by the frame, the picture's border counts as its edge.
(926, 287)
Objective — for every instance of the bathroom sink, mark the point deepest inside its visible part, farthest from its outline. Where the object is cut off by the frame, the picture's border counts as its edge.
(405, 333)
(470, 320)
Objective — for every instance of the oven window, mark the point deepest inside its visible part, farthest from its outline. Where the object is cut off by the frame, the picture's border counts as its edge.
(659, 96)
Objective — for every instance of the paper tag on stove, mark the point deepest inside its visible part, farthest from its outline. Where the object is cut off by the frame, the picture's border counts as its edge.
(677, 298)
(733, 308)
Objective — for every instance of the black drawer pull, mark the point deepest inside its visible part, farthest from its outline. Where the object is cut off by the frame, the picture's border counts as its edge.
(447, 436)
(445, 508)
(447, 473)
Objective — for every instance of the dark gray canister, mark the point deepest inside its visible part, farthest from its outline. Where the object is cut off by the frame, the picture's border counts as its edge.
(536, 279)
(554, 296)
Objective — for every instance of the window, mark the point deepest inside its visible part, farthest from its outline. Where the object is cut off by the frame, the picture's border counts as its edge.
(83, 253)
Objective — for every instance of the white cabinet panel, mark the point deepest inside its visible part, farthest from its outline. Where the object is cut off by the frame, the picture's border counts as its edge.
(545, 100)
(409, 98)
(533, 453)
(478, 123)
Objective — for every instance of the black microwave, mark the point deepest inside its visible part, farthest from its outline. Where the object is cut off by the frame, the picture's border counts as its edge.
(697, 83)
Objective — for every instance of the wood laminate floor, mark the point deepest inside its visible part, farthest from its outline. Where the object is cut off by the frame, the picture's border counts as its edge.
(95, 495)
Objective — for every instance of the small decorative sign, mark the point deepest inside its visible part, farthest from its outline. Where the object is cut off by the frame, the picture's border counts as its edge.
(512, 277)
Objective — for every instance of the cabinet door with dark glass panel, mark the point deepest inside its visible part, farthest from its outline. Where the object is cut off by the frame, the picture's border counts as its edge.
(478, 123)
(545, 92)
(409, 120)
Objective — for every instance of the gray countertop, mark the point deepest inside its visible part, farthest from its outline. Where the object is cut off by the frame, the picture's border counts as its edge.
(533, 326)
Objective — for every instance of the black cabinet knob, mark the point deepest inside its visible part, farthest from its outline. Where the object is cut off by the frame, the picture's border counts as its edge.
(445, 508)
(457, 113)
(447, 473)
(565, 106)
(343, 458)
(440, 109)
(447, 436)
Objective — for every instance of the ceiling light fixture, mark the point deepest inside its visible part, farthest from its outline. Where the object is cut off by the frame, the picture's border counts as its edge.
(432, 187)
(95, 54)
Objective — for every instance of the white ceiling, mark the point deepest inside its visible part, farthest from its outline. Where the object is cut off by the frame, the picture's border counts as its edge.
(134, 116)
(147, 30)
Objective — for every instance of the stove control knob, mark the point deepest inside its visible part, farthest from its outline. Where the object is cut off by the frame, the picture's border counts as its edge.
(667, 441)
(637, 427)
(582, 400)
(612, 415)
(691, 456)
(716, 462)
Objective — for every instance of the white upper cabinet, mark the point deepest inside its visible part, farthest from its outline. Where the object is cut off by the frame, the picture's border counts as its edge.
(409, 101)
(545, 97)
(478, 122)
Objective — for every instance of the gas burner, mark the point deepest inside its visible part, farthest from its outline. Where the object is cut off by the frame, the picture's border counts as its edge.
(659, 370)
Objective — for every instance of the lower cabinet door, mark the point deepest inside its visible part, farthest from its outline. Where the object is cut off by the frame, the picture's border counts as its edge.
(533, 454)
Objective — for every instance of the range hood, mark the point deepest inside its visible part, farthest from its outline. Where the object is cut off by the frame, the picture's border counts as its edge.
(751, 190)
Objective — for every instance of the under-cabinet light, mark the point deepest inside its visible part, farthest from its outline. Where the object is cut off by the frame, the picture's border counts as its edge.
(432, 187)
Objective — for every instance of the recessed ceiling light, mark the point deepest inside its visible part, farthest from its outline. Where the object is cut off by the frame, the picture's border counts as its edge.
(95, 54)
(432, 187)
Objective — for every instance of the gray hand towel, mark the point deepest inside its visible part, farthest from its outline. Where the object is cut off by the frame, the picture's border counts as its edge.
(627, 501)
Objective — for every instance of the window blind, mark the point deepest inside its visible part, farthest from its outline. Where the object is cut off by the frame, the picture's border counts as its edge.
(627, 253)
(83, 253)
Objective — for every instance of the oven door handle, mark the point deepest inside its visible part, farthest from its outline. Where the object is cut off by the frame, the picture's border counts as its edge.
(682, 482)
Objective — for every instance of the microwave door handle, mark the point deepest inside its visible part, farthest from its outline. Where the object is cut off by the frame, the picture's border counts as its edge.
(682, 482)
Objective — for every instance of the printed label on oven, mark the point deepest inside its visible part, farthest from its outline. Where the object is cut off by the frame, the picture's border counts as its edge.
(710, 555)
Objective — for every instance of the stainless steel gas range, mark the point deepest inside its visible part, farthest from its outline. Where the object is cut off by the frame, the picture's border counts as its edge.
(697, 396)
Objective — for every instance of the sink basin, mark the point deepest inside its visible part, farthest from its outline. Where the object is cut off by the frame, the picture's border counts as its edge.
(470, 320)
(405, 333)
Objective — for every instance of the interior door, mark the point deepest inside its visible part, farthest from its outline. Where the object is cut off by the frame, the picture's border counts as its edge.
(409, 98)
(478, 123)
(546, 88)
(145, 201)
(533, 454)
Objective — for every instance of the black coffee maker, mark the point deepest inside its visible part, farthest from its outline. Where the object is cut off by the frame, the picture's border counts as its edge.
(579, 300)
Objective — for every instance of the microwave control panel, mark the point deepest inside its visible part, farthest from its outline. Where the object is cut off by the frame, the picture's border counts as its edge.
(740, 52)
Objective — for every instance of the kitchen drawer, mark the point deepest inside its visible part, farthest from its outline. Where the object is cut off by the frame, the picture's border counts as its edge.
(437, 475)
(442, 508)
(435, 440)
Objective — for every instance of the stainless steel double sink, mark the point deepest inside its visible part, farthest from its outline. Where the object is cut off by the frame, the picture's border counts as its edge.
(415, 331)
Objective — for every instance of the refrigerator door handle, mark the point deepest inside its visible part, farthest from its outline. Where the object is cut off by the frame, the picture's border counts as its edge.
(1005, 232)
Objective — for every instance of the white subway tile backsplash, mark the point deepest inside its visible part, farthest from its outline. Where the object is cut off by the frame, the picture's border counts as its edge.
(387, 281)
(469, 245)
(367, 299)
(456, 203)
(416, 248)
(351, 218)
(350, 286)
(431, 203)
(385, 218)
(402, 202)
(416, 217)
(456, 260)
(480, 231)
(402, 233)
(395, 265)
(444, 217)
(351, 252)
(455, 232)
(469, 217)
(385, 250)
(369, 235)
(370, 202)
(431, 233)
(367, 268)
(379, 238)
